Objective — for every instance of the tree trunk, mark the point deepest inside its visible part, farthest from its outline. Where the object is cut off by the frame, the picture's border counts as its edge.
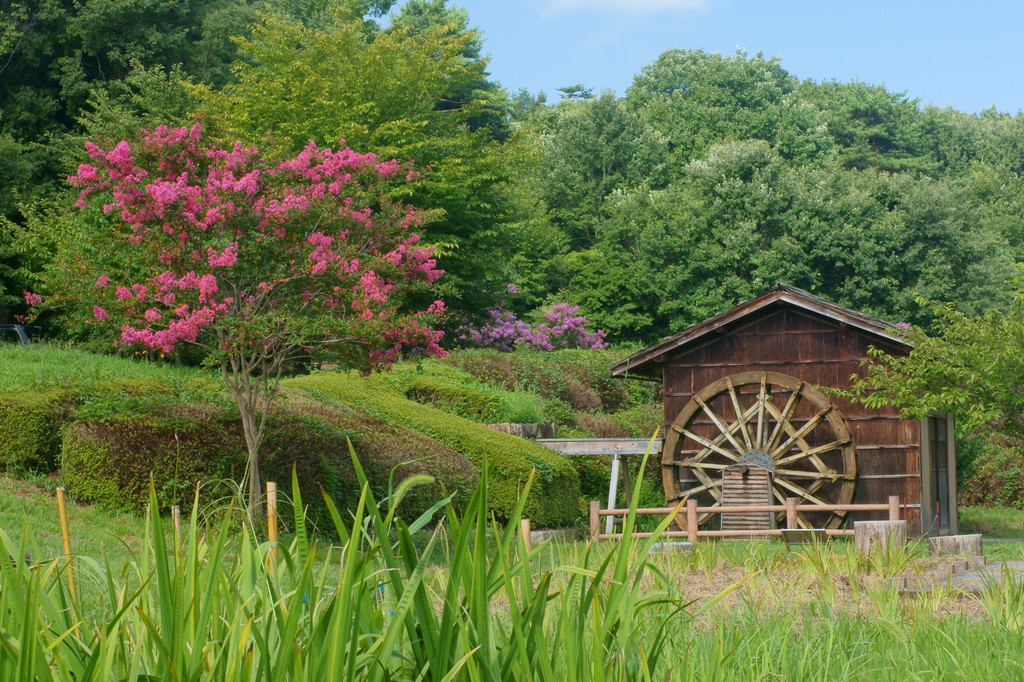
(246, 393)
(962, 545)
(881, 534)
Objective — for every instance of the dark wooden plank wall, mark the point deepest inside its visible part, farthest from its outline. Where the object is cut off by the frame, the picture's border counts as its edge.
(821, 353)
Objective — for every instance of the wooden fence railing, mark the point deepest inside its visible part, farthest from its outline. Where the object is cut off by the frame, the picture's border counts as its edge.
(692, 513)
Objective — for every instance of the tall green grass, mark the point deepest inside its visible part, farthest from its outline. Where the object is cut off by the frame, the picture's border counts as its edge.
(453, 596)
(220, 605)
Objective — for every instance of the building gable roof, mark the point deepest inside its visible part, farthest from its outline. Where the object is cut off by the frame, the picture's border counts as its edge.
(642, 362)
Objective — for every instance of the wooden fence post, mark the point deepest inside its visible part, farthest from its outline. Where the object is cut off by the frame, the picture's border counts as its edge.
(63, 513)
(691, 520)
(894, 508)
(595, 518)
(791, 520)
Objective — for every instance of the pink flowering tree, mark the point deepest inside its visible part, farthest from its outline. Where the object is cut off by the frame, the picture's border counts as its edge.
(258, 262)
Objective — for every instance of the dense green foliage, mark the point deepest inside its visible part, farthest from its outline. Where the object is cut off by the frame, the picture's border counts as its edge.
(717, 176)
(971, 366)
(710, 179)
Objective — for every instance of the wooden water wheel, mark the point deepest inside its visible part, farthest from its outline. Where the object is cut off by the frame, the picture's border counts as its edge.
(751, 413)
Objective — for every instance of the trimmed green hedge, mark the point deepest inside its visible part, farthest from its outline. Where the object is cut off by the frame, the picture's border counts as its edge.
(109, 462)
(555, 497)
(389, 453)
(463, 401)
(30, 428)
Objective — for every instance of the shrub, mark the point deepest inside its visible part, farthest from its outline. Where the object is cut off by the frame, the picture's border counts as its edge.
(562, 328)
(30, 428)
(995, 474)
(580, 378)
(521, 408)
(109, 462)
(602, 426)
(642, 420)
(490, 367)
(471, 403)
(553, 501)
(390, 453)
(560, 413)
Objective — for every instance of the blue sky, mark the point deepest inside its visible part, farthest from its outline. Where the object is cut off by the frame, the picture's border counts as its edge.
(965, 55)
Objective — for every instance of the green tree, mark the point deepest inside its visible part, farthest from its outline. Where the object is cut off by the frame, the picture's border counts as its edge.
(594, 148)
(419, 18)
(382, 92)
(872, 127)
(972, 366)
(696, 99)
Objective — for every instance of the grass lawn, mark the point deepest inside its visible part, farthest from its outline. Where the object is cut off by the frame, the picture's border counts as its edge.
(43, 365)
(992, 522)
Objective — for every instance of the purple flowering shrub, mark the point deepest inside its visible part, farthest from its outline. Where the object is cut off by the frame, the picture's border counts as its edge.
(561, 328)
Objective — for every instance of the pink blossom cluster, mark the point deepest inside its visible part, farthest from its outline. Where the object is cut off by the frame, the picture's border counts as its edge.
(562, 328)
(228, 238)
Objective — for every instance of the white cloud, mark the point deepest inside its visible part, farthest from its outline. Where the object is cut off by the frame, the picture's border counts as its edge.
(624, 6)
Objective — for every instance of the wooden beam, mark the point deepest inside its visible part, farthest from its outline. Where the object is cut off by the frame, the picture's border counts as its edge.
(602, 446)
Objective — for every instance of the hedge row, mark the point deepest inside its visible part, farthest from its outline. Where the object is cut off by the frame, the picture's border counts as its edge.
(30, 428)
(555, 497)
(109, 463)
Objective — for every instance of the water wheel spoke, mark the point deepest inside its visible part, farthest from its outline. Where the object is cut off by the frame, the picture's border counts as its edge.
(738, 409)
(718, 440)
(802, 492)
(802, 444)
(783, 419)
(762, 399)
(724, 429)
(826, 475)
(709, 485)
(706, 465)
(811, 424)
(780, 517)
(813, 452)
(699, 489)
(696, 464)
(709, 445)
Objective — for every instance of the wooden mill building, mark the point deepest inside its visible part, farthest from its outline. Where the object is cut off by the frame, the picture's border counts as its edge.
(753, 382)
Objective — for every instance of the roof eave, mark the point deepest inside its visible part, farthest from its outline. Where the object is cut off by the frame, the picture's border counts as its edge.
(643, 361)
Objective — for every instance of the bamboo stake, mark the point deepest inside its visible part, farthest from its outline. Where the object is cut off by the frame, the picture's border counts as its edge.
(176, 517)
(272, 521)
(524, 528)
(63, 512)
